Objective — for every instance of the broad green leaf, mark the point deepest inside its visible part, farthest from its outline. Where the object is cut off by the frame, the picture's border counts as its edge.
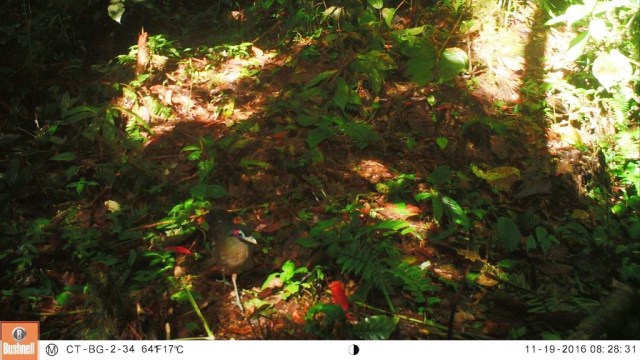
(332, 11)
(576, 46)
(307, 120)
(78, 113)
(320, 77)
(572, 14)
(422, 60)
(438, 208)
(387, 15)
(394, 225)
(332, 313)
(376, 4)
(508, 234)
(64, 298)
(65, 156)
(452, 62)
(531, 243)
(316, 136)
(377, 327)
(440, 176)
(405, 34)
(541, 233)
(378, 59)
(424, 195)
(375, 80)
(612, 68)
(456, 212)
(115, 10)
(341, 96)
(500, 178)
(442, 142)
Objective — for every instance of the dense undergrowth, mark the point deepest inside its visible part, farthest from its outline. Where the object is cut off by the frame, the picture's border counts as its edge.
(421, 155)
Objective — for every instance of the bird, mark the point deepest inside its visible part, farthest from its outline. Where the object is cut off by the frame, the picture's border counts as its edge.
(232, 246)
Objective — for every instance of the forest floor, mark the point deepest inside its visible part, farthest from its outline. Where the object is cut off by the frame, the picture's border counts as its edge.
(490, 188)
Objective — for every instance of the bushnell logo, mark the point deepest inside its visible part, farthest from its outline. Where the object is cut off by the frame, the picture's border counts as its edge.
(19, 340)
(19, 334)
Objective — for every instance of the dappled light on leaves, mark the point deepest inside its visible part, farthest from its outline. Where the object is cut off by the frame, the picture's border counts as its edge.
(457, 170)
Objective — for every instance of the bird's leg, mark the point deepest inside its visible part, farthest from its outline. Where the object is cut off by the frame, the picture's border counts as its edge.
(234, 276)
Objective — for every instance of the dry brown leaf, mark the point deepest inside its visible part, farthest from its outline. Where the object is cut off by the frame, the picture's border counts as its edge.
(484, 280)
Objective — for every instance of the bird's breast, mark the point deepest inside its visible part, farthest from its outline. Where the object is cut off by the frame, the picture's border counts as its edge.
(232, 254)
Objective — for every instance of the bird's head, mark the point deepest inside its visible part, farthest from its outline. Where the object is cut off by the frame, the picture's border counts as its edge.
(243, 234)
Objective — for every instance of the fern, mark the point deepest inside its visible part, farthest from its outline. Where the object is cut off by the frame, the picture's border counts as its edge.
(414, 281)
(368, 253)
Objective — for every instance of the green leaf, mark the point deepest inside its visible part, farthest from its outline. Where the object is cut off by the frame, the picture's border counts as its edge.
(288, 267)
(541, 233)
(375, 79)
(531, 243)
(65, 156)
(452, 62)
(341, 96)
(64, 298)
(440, 176)
(405, 34)
(387, 15)
(376, 4)
(191, 148)
(572, 14)
(424, 195)
(377, 327)
(78, 113)
(307, 120)
(438, 208)
(576, 46)
(320, 77)
(394, 225)
(422, 60)
(442, 142)
(612, 68)
(372, 64)
(456, 212)
(316, 136)
(508, 234)
(115, 10)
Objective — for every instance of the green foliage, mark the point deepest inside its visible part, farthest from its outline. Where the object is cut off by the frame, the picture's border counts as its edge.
(508, 234)
(204, 154)
(373, 65)
(378, 327)
(368, 253)
(442, 204)
(422, 61)
(541, 239)
(454, 4)
(327, 321)
(294, 279)
(116, 10)
(453, 61)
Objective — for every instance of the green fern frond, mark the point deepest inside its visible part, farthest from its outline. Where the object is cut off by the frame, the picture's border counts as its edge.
(414, 281)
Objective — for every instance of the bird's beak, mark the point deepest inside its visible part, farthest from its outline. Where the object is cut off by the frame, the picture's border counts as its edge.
(250, 239)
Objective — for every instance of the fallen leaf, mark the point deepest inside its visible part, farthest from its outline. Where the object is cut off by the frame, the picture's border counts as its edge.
(484, 280)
